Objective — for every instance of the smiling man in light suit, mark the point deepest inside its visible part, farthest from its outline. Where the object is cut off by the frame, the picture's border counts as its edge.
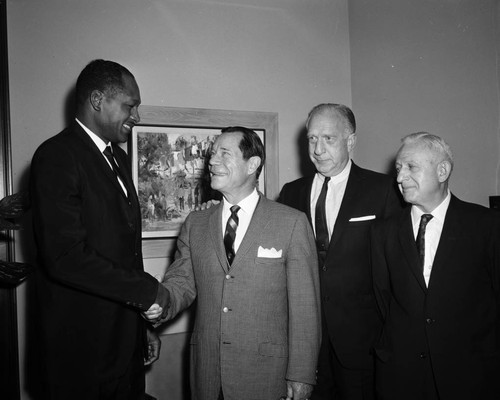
(251, 263)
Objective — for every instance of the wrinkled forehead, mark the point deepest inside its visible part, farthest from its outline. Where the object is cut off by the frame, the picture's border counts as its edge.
(417, 153)
(327, 122)
(228, 140)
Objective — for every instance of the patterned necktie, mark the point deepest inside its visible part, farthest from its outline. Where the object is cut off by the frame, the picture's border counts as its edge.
(230, 234)
(322, 237)
(420, 241)
(114, 165)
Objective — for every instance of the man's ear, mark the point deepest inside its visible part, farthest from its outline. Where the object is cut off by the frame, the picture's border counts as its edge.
(253, 164)
(96, 98)
(443, 171)
(351, 142)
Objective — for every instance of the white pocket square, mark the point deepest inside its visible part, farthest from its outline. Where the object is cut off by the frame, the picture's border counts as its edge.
(365, 218)
(268, 253)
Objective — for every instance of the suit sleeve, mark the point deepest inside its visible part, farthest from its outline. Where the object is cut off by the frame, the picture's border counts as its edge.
(495, 257)
(62, 217)
(381, 279)
(303, 304)
(179, 277)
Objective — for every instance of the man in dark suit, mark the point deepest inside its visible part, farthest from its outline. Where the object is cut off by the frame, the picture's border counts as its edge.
(91, 282)
(436, 270)
(354, 199)
(248, 262)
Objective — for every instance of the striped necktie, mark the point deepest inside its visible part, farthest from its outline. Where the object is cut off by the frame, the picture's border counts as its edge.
(230, 234)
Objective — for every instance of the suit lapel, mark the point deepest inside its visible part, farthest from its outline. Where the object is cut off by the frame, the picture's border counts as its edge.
(448, 240)
(215, 226)
(354, 182)
(409, 248)
(124, 168)
(258, 223)
(99, 159)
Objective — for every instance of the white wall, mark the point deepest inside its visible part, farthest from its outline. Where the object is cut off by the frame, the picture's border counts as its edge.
(261, 55)
(280, 56)
(429, 65)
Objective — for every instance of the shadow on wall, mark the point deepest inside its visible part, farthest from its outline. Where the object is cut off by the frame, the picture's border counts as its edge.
(306, 167)
(389, 168)
(70, 106)
(33, 362)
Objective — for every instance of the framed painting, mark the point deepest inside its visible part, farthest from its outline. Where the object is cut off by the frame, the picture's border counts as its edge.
(169, 151)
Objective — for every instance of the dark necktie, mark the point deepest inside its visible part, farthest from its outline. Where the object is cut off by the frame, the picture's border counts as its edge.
(424, 219)
(322, 237)
(230, 234)
(114, 165)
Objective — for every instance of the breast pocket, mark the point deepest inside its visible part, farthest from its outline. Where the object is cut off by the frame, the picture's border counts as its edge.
(360, 224)
(268, 261)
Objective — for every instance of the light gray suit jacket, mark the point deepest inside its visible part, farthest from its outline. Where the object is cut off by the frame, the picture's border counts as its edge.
(257, 323)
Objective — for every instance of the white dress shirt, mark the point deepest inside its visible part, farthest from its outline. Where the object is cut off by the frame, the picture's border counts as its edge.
(432, 232)
(101, 146)
(247, 208)
(334, 196)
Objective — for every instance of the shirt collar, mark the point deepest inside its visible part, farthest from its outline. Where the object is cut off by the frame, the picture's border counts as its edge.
(339, 177)
(101, 145)
(438, 213)
(248, 204)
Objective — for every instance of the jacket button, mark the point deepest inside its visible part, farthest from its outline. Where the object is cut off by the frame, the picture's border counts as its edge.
(324, 268)
(423, 355)
(225, 309)
(429, 321)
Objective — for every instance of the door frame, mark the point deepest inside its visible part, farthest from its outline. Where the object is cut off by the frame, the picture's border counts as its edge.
(9, 350)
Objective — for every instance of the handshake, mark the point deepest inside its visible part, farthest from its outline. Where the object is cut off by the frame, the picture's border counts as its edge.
(159, 308)
(153, 314)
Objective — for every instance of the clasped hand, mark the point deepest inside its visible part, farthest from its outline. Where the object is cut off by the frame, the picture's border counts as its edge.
(153, 314)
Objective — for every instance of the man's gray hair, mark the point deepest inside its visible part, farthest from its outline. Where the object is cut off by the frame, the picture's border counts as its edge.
(431, 141)
(333, 109)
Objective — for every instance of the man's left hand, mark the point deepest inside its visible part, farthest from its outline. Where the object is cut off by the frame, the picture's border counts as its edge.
(154, 344)
(208, 204)
(298, 390)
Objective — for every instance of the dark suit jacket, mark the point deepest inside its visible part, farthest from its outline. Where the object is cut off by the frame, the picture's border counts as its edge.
(91, 282)
(349, 309)
(455, 321)
(257, 322)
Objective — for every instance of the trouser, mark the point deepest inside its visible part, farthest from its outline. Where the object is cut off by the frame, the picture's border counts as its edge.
(130, 386)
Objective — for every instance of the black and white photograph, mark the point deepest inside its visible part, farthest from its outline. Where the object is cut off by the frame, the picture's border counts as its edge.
(249, 200)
